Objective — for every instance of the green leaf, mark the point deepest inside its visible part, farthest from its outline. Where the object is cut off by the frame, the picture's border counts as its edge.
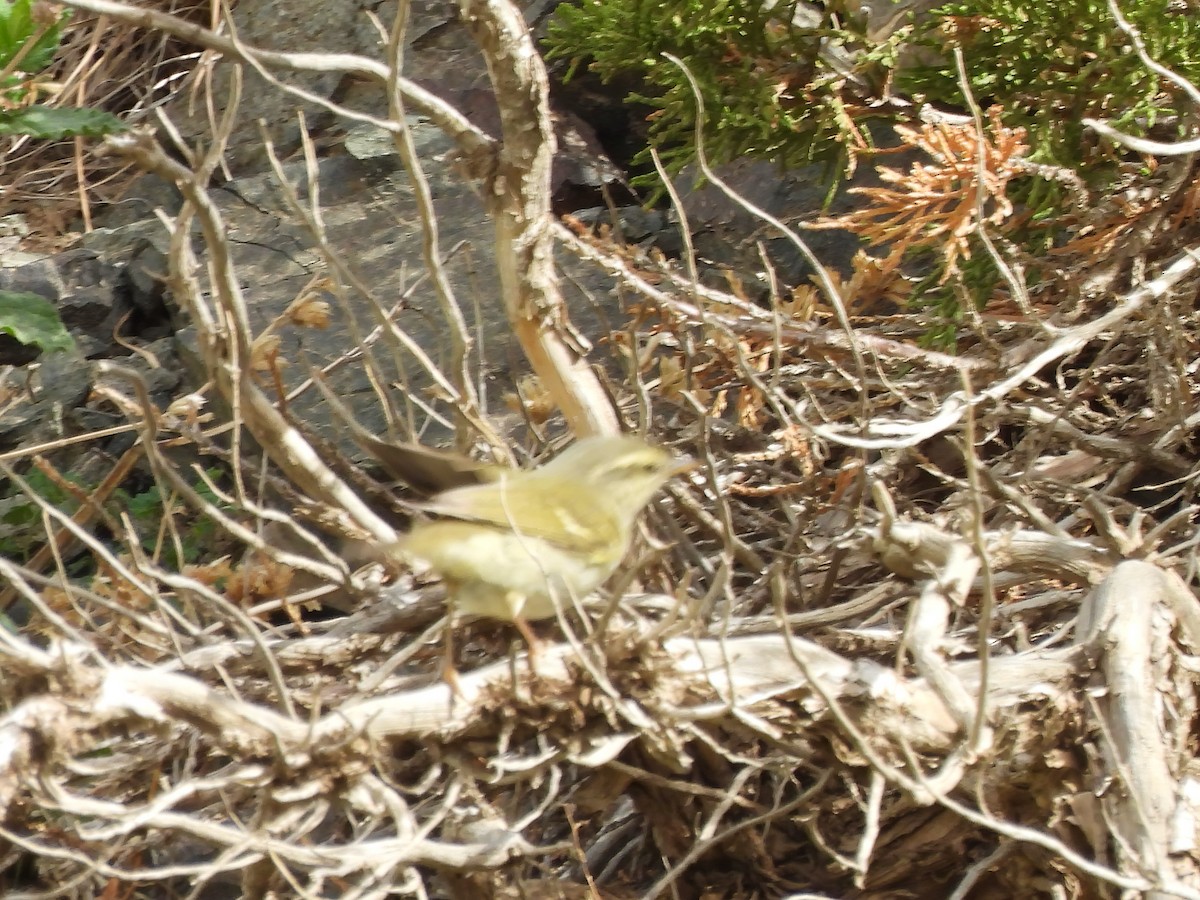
(20, 514)
(42, 53)
(50, 123)
(17, 27)
(147, 506)
(32, 319)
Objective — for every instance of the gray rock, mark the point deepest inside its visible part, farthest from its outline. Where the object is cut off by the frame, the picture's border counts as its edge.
(54, 389)
(372, 223)
(84, 289)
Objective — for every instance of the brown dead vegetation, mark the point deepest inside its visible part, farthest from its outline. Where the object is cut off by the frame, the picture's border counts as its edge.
(106, 64)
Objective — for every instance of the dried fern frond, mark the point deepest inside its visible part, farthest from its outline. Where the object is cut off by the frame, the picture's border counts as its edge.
(938, 206)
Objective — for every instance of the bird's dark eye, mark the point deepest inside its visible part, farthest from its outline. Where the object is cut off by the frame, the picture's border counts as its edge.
(639, 468)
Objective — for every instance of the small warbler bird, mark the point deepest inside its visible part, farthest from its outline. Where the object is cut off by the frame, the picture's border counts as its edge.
(521, 546)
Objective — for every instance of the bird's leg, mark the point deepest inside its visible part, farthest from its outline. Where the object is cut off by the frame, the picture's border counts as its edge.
(449, 672)
(532, 640)
(516, 604)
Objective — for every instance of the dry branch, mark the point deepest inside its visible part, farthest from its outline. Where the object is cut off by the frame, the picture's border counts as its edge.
(739, 685)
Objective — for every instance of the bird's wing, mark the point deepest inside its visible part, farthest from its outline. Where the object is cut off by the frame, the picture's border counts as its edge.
(565, 517)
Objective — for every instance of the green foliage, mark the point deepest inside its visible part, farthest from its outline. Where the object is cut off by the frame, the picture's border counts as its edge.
(29, 39)
(775, 90)
(33, 320)
(50, 491)
(58, 122)
(19, 26)
(976, 283)
(767, 90)
(1050, 65)
(22, 532)
(1047, 67)
(772, 92)
(147, 510)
